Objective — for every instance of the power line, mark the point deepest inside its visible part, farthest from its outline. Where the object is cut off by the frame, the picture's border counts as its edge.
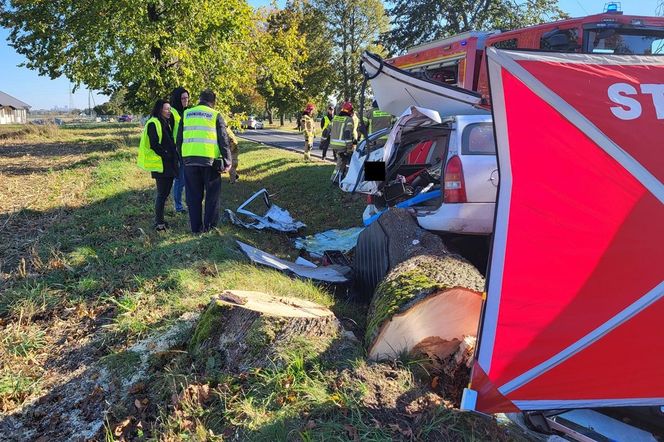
(581, 6)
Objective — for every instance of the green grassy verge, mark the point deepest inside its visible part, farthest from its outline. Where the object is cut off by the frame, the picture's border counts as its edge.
(84, 276)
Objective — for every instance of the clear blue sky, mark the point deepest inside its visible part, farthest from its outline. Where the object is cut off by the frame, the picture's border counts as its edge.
(44, 93)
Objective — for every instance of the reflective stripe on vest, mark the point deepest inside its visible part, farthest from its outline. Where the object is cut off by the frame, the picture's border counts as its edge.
(199, 133)
(176, 125)
(148, 158)
(379, 120)
(341, 132)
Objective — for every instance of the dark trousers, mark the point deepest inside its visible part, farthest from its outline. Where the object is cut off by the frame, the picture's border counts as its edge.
(163, 190)
(324, 145)
(202, 182)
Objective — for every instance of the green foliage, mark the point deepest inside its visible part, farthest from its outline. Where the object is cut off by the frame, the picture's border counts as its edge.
(282, 49)
(114, 106)
(419, 21)
(355, 26)
(147, 48)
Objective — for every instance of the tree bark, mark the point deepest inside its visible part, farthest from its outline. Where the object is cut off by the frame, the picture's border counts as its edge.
(251, 329)
(427, 303)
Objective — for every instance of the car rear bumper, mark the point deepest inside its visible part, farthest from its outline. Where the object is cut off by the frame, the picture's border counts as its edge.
(464, 218)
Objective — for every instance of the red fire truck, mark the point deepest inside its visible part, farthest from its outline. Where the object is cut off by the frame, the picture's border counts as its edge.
(460, 61)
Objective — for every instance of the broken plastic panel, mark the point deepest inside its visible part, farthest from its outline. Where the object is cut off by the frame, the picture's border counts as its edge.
(332, 273)
(274, 217)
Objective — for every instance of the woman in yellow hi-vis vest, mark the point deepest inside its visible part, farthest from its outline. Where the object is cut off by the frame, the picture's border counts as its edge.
(157, 154)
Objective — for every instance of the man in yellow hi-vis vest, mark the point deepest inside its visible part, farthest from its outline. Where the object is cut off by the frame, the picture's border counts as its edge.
(326, 125)
(203, 143)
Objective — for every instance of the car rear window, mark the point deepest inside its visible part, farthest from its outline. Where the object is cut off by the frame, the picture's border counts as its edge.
(478, 139)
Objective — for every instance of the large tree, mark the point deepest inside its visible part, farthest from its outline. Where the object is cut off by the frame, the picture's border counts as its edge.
(419, 21)
(355, 26)
(146, 47)
(282, 50)
(297, 52)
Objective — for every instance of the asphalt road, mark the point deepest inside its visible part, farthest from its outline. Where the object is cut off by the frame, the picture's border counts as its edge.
(283, 139)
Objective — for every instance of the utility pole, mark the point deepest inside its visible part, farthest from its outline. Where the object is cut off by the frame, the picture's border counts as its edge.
(71, 98)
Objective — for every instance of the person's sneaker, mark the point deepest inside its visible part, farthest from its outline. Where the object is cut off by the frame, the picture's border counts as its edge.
(161, 227)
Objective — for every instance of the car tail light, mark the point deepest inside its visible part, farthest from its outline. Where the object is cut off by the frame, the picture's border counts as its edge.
(454, 187)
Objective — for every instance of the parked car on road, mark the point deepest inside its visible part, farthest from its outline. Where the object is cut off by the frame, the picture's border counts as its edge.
(252, 123)
(450, 164)
(125, 118)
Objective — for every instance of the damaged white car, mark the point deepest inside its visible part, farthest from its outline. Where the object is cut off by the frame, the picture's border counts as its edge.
(445, 169)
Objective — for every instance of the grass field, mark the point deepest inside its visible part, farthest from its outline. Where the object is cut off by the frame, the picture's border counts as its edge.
(86, 279)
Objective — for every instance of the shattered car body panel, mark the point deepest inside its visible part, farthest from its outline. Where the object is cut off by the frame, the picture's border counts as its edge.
(274, 218)
(333, 273)
(396, 89)
(411, 119)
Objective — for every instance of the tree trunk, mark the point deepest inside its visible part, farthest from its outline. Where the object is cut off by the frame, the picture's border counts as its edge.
(252, 329)
(428, 307)
(281, 119)
(425, 302)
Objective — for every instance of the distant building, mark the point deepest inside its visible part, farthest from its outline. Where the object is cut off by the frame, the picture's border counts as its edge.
(12, 111)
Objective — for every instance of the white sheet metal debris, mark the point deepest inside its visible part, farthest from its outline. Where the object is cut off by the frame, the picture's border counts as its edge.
(333, 273)
(343, 240)
(274, 218)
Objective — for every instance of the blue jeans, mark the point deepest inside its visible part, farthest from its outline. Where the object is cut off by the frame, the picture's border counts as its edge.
(178, 186)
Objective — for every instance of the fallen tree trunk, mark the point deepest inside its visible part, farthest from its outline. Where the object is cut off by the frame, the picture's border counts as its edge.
(387, 242)
(241, 329)
(428, 305)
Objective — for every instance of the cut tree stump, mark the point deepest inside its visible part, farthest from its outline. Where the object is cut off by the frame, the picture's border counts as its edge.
(426, 305)
(242, 329)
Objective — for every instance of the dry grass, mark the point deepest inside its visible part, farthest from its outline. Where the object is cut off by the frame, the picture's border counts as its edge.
(45, 171)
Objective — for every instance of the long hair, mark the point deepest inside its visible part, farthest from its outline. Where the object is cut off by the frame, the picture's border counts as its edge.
(176, 98)
(156, 110)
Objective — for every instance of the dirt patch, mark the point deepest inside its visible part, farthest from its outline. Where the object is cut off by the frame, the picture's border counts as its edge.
(82, 387)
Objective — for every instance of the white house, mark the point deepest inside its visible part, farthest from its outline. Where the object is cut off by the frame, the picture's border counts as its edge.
(12, 111)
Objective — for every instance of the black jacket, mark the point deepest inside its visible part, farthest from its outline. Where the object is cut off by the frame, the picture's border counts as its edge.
(222, 142)
(166, 149)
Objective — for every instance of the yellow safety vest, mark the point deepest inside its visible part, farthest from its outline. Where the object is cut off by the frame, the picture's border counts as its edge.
(379, 120)
(199, 133)
(176, 126)
(342, 133)
(325, 134)
(148, 158)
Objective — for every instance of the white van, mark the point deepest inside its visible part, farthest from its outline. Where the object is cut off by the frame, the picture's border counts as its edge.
(444, 169)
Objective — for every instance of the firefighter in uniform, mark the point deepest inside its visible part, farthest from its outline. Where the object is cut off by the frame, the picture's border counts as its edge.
(203, 142)
(343, 138)
(378, 120)
(325, 125)
(308, 129)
